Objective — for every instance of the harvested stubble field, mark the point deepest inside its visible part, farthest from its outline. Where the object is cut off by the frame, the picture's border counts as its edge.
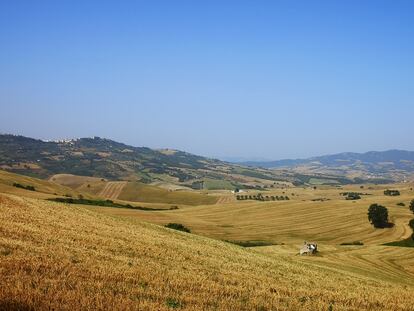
(333, 221)
(68, 257)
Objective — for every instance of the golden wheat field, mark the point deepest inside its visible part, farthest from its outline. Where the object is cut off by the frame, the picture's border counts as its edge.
(303, 217)
(60, 256)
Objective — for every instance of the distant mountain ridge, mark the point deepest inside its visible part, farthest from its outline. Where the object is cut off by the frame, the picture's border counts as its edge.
(373, 161)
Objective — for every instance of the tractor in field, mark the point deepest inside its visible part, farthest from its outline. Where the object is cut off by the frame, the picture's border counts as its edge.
(309, 248)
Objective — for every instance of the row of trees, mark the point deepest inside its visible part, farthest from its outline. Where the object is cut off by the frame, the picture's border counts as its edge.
(353, 196)
(391, 192)
(28, 187)
(260, 197)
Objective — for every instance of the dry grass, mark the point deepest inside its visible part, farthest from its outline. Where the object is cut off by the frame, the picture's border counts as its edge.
(65, 257)
(291, 222)
(112, 189)
(73, 181)
(133, 191)
(44, 188)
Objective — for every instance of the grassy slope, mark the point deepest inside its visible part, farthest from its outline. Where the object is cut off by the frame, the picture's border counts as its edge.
(132, 191)
(330, 222)
(139, 192)
(213, 184)
(73, 181)
(43, 188)
(69, 258)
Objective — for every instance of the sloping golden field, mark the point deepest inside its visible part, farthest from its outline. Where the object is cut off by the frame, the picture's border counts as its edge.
(132, 191)
(74, 181)
(68, 257)
(333, 221)
(44, 188)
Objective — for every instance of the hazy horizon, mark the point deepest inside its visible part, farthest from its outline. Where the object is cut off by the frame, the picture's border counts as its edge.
(274, 80)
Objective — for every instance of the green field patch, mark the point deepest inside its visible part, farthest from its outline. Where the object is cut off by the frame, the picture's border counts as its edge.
(215, 184)
(139, 192)
(322, 181)
(403, 243)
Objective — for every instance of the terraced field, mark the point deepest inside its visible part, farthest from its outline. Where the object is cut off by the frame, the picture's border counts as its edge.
(112, 189)
(67, 257)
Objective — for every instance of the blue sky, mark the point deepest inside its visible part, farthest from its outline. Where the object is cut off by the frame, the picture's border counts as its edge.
(252, 79)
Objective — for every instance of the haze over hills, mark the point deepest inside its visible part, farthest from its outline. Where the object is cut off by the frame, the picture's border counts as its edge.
(379, 163)
(400, 159)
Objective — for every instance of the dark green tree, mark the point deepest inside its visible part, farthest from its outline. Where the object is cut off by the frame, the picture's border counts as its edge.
(412, 206)
(411, 224)
(378, 215)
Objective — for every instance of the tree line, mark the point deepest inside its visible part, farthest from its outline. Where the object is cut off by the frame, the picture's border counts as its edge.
(260, 197)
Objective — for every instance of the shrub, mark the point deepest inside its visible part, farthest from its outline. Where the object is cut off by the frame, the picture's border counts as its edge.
(353, 196)
(105, 203)
(401, 204)
(172, 303)
(378, 216)
(30, 188)
(249, 243)
(391, 192)
(353, 243)
(178, 227)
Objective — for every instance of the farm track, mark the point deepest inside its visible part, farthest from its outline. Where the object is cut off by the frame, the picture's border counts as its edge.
(112, 189)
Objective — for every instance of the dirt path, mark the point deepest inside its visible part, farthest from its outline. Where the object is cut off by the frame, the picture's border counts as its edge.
(112, 189)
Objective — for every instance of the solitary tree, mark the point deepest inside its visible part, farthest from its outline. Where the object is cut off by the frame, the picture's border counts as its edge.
(411, 224)
(412, 206)
(378, 215)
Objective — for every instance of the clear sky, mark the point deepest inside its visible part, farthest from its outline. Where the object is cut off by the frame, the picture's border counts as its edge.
(264, 79)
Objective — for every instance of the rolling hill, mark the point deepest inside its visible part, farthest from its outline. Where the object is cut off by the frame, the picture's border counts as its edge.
(56, 256)
(103, 158)
(132, 191)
